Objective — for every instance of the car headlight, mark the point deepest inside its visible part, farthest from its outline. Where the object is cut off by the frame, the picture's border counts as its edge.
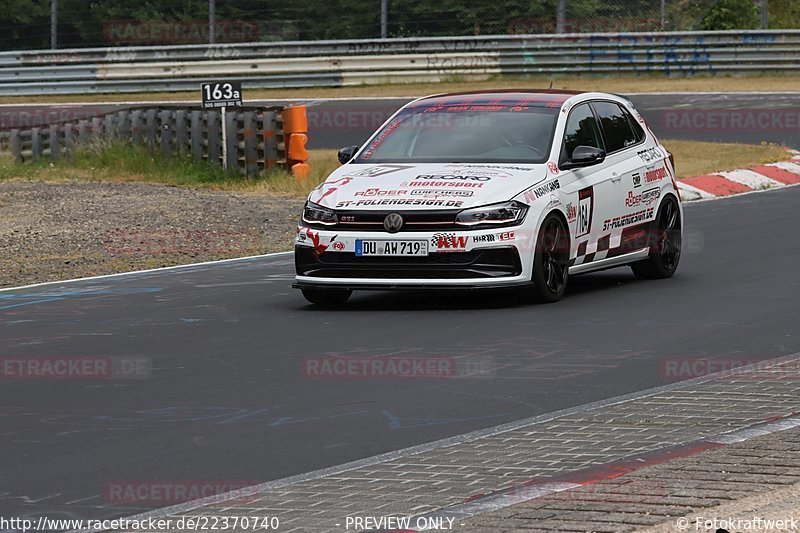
(316, 214)
(505, 214)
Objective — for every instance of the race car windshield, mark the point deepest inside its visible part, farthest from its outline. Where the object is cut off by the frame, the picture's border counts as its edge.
(453, 134)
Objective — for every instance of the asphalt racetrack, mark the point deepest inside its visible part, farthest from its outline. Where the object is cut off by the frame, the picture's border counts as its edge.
(231, 387)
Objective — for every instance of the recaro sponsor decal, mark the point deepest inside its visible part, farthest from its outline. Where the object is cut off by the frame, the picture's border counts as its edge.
(585, 211)
(452, 177)
(649, 155)
(537, 192)
(627, 220)
(449, 242)
(428, 193)
(380, 170)
(655, 175)
(374, 191)
(401, 201)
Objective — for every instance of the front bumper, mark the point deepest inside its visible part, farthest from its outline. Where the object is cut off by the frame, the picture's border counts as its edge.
(488, 258)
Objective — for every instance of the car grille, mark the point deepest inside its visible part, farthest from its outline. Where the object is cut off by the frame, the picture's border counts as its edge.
(412, 220)
(484, 263)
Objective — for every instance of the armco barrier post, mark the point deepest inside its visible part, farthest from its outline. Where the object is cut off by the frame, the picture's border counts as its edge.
(36, 143)
(295, 129)
(231, 140)
(68, 150)
(270, 127)
(165, 122)
(54, 144)
(213, 132)
(250, 147)
(180, 131)
(16, 146)
(196, 134)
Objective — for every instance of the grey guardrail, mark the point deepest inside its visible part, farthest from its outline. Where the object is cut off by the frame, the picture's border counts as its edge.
(356, 62)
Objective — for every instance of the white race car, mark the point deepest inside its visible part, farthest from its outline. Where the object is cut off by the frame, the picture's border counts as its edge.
(493, 189)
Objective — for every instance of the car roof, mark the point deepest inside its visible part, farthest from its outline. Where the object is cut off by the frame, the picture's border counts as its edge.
(540, 97)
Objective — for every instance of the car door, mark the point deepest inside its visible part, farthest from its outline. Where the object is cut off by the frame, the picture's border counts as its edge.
(585, 189)
(628, 203)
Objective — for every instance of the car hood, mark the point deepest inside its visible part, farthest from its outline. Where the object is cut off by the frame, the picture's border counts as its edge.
(424, 186)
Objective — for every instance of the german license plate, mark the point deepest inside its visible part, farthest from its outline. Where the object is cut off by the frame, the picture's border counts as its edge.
(391, 248)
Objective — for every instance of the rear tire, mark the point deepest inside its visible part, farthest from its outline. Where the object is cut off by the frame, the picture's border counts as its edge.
(327, 297)
(551, 261)
(665, 244)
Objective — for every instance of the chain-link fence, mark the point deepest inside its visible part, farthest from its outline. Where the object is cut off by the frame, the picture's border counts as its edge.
(38, 24)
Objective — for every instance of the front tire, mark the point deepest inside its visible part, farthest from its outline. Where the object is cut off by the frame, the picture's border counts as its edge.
(327, 297)
(551, 260)
(665, 244)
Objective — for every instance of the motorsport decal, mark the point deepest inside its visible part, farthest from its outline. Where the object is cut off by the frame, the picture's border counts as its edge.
(470, 185)
(452, 177)
(627, 220)
(427, 193)
(374, 191)
(372, 172)
(645, 198)
(483, 238)
(401, 201)
(649, 155)
(449, 242)
(655, 175)
(506, 236)
(637, 179)
(553, 167)
(532, 194)
(585, 211)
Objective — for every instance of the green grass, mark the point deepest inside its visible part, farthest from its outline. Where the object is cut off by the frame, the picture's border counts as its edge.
(118, 162)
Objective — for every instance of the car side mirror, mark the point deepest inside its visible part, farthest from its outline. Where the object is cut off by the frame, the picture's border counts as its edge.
(347, 153)
(585, 156)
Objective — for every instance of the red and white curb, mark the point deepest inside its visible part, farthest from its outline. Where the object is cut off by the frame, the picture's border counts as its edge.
(761, 177)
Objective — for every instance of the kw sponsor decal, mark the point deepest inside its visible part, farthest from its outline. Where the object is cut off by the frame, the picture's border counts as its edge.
(585, 211)
(655, 175)
(637, 179)
(449, 242)
(452, 177)
(374, 191)
(428, 193)
(401, 201)
(537, 192)
(372, 172)
(627, 220)
(649, 155)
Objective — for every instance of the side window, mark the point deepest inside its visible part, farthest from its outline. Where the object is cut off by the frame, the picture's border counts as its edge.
(581, 130)
(617, 129)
